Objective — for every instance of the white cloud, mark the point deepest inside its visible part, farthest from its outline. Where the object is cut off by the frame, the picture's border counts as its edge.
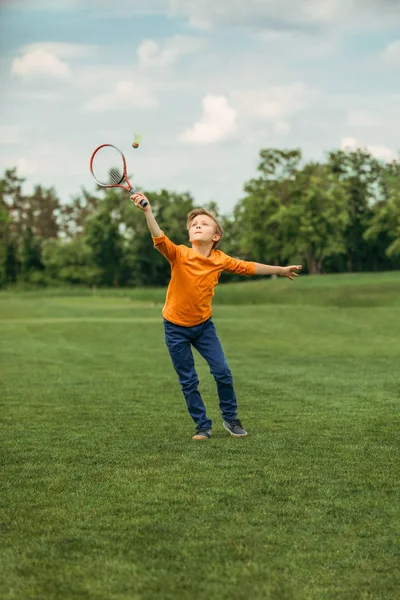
(262, 14)
(38, 63)
(95, 76)
(24, 166)
(362, 118)
(218, 122)
(44, 59)
(152, 53)
(285, 14)
(380, 152)
(267, 87)
(10, 134)
(274, 104)
(40, 155)
(60, 5)
(62, 49)
(303, 44)
(125, 96)
(391, 54)
(42, 96)
(282, 128)
(124, 9)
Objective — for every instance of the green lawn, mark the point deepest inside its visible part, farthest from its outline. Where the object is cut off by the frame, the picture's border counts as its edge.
(104, 496)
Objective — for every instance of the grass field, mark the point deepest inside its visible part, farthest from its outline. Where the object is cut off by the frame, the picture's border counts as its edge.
(104, 496)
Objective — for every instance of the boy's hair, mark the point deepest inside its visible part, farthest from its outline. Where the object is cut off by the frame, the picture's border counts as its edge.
(202, 211)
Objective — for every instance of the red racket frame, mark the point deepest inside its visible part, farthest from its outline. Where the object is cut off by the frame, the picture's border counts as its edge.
(129, 187)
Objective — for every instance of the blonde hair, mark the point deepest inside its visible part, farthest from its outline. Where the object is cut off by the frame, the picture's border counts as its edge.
(196, 212)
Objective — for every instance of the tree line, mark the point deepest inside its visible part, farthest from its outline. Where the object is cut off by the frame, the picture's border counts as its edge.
(338, 215)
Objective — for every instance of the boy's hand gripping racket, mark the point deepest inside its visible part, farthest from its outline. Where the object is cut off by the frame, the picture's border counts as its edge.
(108, 167)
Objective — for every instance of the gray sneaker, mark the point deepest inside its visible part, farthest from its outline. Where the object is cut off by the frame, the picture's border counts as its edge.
(202, 434)
(235, 428)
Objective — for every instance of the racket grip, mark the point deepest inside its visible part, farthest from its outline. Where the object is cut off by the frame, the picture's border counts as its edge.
(143, 202)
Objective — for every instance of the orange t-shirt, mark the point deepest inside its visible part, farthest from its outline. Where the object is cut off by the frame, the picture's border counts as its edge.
(193, 279)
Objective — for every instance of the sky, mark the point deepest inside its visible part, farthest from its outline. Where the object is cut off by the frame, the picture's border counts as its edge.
(209, 83)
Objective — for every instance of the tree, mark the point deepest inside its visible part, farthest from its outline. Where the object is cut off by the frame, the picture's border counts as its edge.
(43, 212)
(360, 171)
(4, 236)
(8, 247)
(143, 264)
(11, 264)
(255, 215)
(102, 236)
(385, 221)
(70, 262)
(14, 200)
(314, 223)
(38, 212)
(342, 215)
(73, 216)
(30, 254)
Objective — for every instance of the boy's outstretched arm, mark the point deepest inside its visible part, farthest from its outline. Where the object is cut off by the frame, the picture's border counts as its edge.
(282, 271)
(151, 222)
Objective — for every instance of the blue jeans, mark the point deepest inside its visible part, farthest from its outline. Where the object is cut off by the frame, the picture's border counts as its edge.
(204, 338)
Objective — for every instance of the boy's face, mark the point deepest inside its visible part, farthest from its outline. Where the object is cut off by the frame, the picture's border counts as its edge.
(202, 230)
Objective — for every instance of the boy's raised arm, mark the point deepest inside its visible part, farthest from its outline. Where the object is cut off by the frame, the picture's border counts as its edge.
(151, 222)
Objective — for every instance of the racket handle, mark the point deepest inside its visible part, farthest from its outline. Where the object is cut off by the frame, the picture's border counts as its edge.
(142, 202)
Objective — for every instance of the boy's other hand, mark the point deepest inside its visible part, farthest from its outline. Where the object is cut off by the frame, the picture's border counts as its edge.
(290, 271)
(137, 198)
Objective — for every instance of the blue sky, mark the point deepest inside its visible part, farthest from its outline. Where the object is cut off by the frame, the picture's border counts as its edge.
(209, 84)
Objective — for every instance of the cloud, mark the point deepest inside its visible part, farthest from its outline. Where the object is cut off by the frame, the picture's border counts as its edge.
(275, 104)
(285, 14)
(304, 45)
(123, 9)
(217, 124)
(94, 8)
(44, 59)
(10, 134)
(62, 49)
(24, 166)
(125, 96)
(259, 14)
(282, 128)
(267, 85)
(60, 5)
(152, 53)
(39, 63)
(391, 54)
(41, 96)
(362, 118)
(380, 152)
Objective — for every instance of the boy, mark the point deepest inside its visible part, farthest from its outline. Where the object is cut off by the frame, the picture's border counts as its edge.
(187, 311)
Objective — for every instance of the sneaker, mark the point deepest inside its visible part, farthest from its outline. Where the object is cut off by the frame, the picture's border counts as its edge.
(235, 428)
(202, 434)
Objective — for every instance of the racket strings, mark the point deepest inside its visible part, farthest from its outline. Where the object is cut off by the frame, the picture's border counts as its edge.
(108, 167)
(115, 176)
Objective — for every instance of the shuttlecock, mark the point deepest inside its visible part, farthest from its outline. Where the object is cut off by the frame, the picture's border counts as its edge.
(137, 138)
